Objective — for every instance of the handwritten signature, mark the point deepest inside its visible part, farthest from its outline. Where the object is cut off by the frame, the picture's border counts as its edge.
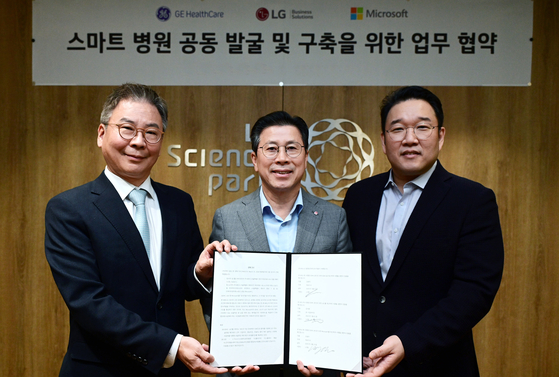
(317, 349)
(314, 320)
(312, 292)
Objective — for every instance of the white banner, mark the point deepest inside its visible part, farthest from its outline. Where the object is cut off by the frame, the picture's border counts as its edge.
(311, 42)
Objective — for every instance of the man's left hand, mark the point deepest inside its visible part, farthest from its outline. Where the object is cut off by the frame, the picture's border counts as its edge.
(383, 359)
(196, 356)
(204, 266)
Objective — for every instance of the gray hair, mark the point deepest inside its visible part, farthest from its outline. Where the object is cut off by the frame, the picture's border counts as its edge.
(136, 93)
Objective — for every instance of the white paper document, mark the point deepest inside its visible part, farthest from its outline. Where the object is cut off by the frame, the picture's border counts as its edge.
(325, 325)
(269, 304)
(248, 309)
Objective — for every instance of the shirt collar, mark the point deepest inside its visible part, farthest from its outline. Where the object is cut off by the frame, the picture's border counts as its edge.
(297, 206)
(123, 187)
(420, 181)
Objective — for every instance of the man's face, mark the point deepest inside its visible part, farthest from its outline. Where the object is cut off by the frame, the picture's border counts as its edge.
(411, 157)
(282, 174)
(131, 159)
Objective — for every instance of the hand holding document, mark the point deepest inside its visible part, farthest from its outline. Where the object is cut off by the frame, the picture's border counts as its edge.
(277, 308)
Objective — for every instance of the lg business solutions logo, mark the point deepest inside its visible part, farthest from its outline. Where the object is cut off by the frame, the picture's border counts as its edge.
(263, 14)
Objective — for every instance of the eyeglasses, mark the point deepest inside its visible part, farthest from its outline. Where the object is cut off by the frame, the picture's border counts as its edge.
(128, 131)
(271, 150)
(421, 130)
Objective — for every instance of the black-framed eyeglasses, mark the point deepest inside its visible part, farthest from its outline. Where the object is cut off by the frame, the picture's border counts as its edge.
(271, 150)
(421, 130)
(128, 131)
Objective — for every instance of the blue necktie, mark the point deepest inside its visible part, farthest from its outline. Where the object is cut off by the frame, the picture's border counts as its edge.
(138, 197)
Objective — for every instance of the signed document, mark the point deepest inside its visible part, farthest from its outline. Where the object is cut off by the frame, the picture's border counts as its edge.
(277, 308)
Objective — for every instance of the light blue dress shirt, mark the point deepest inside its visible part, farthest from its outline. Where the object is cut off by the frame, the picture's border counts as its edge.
(395, 210)
(281, 233)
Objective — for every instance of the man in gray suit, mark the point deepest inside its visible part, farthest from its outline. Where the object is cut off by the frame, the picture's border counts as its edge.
(280, 216)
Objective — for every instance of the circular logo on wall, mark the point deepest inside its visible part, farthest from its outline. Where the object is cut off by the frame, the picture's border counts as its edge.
(262, 14)
(163, 14)
(350, 158)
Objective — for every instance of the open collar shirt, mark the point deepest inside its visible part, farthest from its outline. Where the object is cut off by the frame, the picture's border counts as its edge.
(281, 233)
(395, 210)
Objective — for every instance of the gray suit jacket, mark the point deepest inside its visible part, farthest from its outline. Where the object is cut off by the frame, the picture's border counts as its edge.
(322, 228)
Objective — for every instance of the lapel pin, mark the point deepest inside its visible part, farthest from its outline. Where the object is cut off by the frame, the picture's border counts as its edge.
(315, 213)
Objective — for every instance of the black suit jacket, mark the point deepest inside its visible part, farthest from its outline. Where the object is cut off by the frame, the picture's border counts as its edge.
(443, 278)
(120, 324)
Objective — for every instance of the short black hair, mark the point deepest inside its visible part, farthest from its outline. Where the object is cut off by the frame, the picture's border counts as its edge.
(278, 118)
(406, 93)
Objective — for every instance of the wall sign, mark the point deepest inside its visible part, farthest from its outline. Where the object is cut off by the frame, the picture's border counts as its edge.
(312, 42)
(354, 160)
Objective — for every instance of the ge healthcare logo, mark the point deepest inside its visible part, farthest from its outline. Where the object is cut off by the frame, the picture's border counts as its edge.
(262, 14)
(356, 13)
(345, 142)
(163, 14)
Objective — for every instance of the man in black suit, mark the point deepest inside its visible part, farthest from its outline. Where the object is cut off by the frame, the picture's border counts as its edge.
(432, 248)
(125, 266)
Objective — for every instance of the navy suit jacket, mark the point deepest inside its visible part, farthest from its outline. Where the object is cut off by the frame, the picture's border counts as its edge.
(443, 278)
(120, 323)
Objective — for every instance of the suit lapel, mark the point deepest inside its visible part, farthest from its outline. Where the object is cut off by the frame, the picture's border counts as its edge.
(370, 213)
(251, 220)
(109, 203)
(433, 194)
(308, 224)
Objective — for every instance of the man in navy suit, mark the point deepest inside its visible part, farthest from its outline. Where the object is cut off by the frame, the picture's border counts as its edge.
(125, 267)
(432, 248)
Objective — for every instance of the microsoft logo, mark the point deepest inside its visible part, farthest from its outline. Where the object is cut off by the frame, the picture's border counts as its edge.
(356, 13)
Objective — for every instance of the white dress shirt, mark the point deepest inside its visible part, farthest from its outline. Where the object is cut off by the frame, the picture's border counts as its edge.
(153, 214)
(155, 224)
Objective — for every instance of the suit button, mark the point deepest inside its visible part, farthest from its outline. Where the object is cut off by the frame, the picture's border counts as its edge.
(382, 299)
(159, 306)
